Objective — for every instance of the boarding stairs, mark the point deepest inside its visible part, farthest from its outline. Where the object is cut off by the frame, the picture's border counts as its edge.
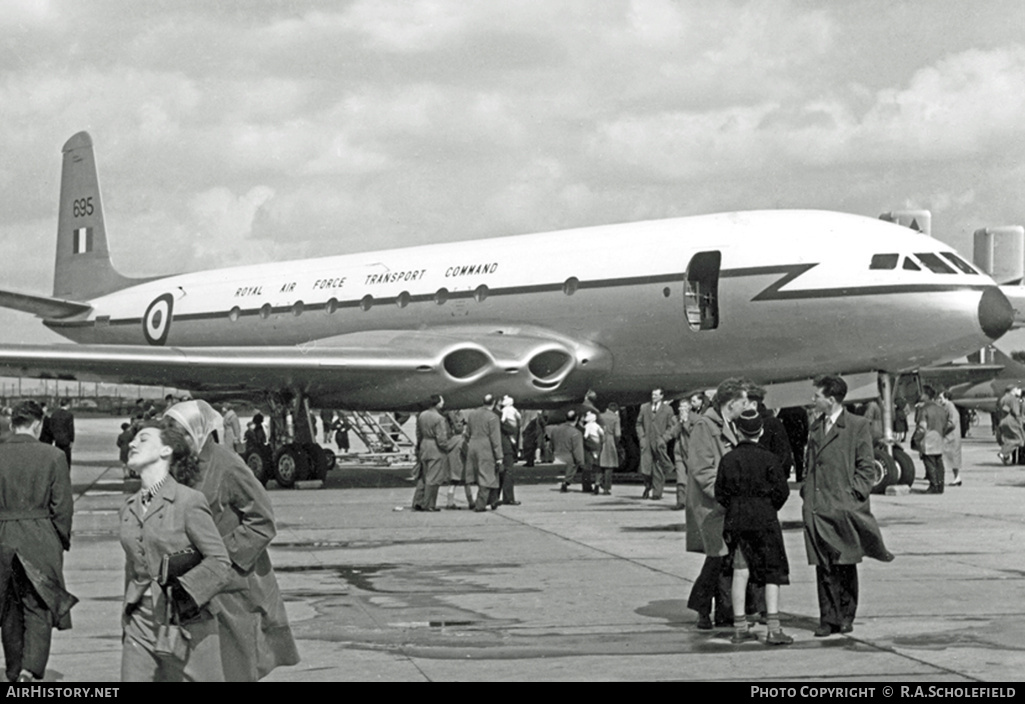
(382, 435)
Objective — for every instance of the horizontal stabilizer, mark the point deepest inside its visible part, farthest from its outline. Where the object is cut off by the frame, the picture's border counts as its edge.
(41, 305)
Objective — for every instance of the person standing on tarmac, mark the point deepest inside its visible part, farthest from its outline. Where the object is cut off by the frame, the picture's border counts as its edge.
(568, 447)
(35, 530)
(510, 427)
(656, 426)
(952, 440)
(62, 429)
(254, 632)
(484, 452)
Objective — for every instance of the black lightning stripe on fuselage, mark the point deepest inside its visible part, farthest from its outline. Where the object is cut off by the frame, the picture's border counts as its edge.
(772, 292)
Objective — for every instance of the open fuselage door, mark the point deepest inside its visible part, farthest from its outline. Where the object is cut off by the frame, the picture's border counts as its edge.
(701, 291)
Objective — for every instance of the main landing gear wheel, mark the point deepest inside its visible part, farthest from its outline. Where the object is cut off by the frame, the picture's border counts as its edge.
(290, 465)
(319, 462)
(886, 471)
(260, 460)
(906, 464)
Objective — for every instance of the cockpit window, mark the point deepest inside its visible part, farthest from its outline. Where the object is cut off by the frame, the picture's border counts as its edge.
(910, 265)
(959, 263)
(935, 264)
(884, 261)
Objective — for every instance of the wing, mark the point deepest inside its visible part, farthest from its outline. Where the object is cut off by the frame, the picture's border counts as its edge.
(372, 370)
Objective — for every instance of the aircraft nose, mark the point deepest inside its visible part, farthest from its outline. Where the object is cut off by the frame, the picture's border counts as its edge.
(996, 314)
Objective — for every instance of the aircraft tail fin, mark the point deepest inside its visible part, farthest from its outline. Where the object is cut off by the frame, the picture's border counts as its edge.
(83, 269)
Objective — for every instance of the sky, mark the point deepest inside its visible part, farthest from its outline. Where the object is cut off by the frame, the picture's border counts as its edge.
(244, 131)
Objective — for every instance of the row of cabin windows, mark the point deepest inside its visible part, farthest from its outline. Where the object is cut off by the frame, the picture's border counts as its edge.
(569, 287)
(930, 260)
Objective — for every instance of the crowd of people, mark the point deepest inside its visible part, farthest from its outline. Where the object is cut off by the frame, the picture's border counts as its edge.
(201, 601)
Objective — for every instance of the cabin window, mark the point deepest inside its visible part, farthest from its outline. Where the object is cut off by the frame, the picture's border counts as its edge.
(265, 311)
(571, 285)
(366, 303)
(910, 265)
(297, 308)
(959, 263)
(701, 291)
(935, 264)
(234, 314)
(402, 300)
(441, 296)
(480, 293)
(666, 292)
(884, 261)
(331, 306)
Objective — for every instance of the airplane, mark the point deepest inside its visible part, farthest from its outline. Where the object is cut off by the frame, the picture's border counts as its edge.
(681, 303)
(985, 395)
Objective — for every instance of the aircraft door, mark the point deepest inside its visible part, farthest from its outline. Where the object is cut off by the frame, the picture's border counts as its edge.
(701, 291)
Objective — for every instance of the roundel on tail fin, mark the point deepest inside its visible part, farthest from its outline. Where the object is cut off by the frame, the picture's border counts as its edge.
(157, 321)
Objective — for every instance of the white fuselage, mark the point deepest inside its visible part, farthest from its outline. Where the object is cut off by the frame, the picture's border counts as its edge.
(796, 297)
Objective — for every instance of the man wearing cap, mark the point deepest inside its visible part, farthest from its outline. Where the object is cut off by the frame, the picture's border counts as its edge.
(839, 528)
(484, 452)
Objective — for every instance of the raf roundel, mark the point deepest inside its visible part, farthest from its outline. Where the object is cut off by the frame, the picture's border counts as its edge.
(157, 321)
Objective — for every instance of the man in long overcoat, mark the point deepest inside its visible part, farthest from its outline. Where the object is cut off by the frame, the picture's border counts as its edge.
(484, 452)
(35, 530)
(254, 631)
(62, 429)
(952, 440)
(567, 447)
(433, 443)
(711, 437)
(839, 528)
(656, 426)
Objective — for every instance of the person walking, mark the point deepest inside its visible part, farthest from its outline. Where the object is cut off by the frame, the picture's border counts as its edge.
(166, 516)
(752, 487)
(931, 424)
(839, 528)
(484, 452)
(35, 531)
(62, 429)
(255, 636)
(656, 426)
(712, 436)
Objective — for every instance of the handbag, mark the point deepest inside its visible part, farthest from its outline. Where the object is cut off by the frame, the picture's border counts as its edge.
(172, 638)
(175, 564)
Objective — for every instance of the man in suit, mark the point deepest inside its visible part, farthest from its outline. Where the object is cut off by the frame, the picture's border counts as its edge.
(62, 429)
(656, 426)
(433, 446)
(931, 422)
(35, 530)
(839, 528)
(484, 452)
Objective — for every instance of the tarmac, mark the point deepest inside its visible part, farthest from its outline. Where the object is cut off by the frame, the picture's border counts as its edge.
(580, 587)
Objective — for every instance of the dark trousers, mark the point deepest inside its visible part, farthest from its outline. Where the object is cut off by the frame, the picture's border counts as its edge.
(606, 479)
(26, 625)
(66, 449)
(838, 594)
(486, 497)
(934, 471)
(508, 488)
(712, 585)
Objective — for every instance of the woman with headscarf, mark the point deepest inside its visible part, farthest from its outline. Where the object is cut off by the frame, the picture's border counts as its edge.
(254, 630)
(162, 518)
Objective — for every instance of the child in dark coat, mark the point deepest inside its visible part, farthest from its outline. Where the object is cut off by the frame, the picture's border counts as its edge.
(752, 487)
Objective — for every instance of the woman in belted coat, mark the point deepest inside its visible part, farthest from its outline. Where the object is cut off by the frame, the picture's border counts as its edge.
(255, 635)
(162, 518)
